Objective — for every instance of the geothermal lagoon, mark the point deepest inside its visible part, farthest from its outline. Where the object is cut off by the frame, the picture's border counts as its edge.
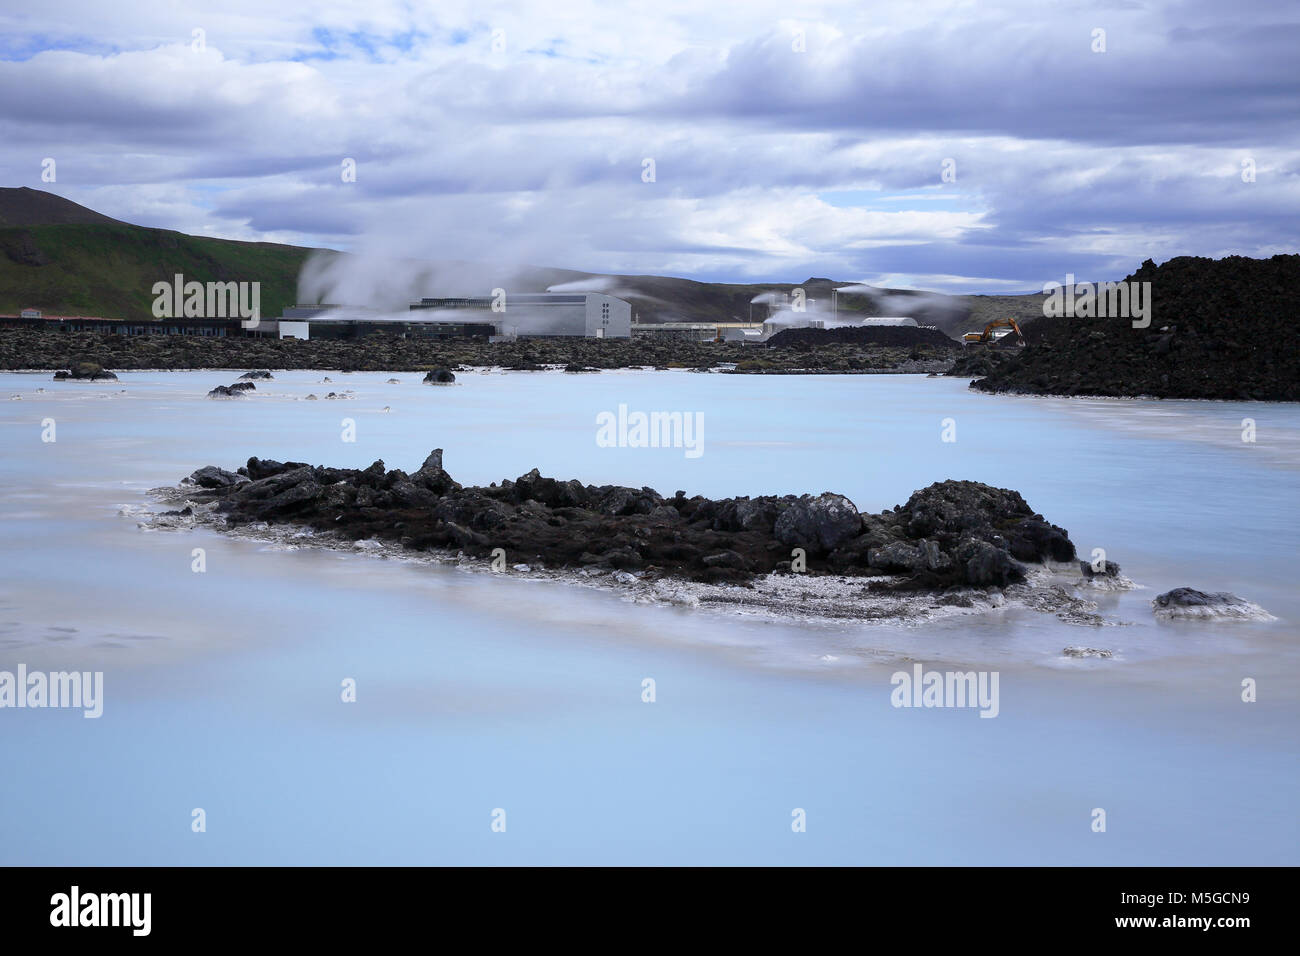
(224, 678)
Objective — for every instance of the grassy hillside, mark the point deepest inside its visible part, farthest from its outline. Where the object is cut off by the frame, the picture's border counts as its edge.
(109, 270)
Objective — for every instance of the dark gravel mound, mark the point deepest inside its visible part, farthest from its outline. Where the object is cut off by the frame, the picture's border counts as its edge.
(952, 533)
(1223, 329)
(895, 336)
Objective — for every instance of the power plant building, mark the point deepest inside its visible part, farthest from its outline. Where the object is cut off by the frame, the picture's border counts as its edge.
(526, 314)
(518, 315)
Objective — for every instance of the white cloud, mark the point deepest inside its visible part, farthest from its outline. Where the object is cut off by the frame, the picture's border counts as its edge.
(1066, 160)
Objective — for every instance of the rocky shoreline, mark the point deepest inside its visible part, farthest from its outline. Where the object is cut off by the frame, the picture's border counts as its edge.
(31, 350)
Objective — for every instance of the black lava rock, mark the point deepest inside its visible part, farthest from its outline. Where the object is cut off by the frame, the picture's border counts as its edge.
(952, 533)
(1221, 329)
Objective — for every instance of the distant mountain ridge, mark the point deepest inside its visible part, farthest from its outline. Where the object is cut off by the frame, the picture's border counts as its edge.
(24, 206)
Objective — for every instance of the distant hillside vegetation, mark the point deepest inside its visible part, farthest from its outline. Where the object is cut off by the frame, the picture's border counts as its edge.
(65, 259)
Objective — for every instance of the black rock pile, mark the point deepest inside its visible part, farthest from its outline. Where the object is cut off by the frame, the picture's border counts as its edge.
(953, 533)
(1221, 329)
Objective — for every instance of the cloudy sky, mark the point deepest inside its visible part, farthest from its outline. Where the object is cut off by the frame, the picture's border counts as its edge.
(787, 140)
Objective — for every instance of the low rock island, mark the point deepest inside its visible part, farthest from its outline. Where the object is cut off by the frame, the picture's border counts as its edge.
(953, 533)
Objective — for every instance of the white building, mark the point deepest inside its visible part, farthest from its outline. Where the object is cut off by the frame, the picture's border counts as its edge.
(788, 319)
(523, 314)
(747, 336)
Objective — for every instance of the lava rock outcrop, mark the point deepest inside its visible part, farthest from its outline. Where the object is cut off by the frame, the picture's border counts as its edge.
(85, 372)
(1220, 329)
(953, 533)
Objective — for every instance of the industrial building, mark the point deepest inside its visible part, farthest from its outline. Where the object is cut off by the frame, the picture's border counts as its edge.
(527, 314)
(902, 320)
(697, 331)
(354, 322)
(756, 333)
(518, 315)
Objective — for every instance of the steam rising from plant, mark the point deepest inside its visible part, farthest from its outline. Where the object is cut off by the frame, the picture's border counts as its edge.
(392, 284)
(928, 308)
(380, 289)
(818, 312)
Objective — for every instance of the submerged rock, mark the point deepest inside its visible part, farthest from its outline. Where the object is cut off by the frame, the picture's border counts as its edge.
(1109, 570)
(86, 372)
(1107, 577)
(440, 376)
(1191, 604)
(227, 391)
(1074, 651)
(176, 520)
(259, 375)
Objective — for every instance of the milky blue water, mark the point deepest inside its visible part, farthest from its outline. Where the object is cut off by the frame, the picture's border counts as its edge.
(477, 692)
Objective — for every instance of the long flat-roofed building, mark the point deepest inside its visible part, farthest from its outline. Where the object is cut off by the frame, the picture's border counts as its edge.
(523, 314)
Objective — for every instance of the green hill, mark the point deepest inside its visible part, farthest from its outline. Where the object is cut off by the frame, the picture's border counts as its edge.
(65, 259)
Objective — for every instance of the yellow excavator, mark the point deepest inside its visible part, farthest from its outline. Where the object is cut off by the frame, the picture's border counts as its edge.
(988, 338)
